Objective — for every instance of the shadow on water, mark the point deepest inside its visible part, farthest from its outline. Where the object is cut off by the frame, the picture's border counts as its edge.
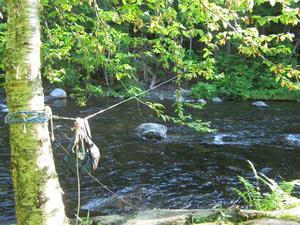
(186, 170)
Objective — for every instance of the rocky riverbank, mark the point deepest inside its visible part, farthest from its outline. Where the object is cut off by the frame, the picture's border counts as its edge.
(201, 216)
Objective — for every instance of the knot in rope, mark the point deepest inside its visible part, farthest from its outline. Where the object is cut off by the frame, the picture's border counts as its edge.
(29, 116)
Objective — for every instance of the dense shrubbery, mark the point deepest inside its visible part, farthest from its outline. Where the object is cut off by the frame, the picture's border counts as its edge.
(234, 51)
(244, 78)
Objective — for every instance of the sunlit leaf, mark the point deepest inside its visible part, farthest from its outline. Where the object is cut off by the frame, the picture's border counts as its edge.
(272, 2)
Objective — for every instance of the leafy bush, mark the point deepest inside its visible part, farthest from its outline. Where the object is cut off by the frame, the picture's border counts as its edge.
(127, 89)
(82, 94)
(203, 90)
(275, 94)
(234, 87)
(241, 75)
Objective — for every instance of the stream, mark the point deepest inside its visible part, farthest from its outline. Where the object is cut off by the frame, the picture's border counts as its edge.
(187, 170)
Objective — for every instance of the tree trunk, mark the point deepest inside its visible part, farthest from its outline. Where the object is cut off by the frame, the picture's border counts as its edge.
(36, 187)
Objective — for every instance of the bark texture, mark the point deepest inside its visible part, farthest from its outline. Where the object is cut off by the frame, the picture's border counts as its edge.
(37, 190)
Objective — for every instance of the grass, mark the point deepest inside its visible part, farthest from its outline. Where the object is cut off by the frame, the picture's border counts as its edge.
(85, 220)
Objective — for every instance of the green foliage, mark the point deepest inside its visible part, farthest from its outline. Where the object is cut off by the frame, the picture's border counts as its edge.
(234, 88)
(2, 44)
(275, 94)
(88, 39)
(3, 33)
(127, 46)
(182, 118)
(2, 80)
(244, 78)
(278, 197)
(241, 76)
(221, 218)
(82, 94)
(131, 88)
(204, 90)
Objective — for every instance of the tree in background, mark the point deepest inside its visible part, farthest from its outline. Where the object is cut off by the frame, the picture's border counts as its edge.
(124, 47)
(146, 41)
(133, 43)
(36, 187)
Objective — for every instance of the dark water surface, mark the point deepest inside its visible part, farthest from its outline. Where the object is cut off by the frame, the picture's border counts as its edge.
(187, 170)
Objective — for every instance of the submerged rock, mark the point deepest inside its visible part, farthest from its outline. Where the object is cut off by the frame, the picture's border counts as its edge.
(152, 131)
(268, 171)
(260, 104)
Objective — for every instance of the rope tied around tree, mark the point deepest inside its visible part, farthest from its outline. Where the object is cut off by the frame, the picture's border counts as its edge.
(23, 117)
(29, 116)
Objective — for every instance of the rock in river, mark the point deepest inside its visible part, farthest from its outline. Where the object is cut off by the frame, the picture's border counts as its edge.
(260, 104)
(152, 131)
(58, 93)
(217, 100)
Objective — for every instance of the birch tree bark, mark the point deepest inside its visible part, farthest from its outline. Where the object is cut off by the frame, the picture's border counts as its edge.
(36, 187)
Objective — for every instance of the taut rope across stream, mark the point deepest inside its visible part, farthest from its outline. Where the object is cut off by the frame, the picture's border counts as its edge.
(77, 150)
(119, 103)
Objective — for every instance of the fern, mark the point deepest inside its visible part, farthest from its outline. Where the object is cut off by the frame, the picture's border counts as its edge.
(278, 197)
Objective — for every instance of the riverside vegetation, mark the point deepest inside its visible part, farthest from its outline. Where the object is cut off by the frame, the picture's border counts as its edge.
(235, 50)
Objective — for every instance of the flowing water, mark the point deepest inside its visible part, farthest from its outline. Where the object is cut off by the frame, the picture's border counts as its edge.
(187, 170)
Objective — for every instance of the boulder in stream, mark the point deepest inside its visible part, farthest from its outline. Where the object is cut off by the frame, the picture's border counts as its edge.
(58, 93)
(152, 131)
(201, 100)
(260, 104)
(217, 100)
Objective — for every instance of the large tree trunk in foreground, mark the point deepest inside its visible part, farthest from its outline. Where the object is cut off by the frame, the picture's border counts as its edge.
(37, 190)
